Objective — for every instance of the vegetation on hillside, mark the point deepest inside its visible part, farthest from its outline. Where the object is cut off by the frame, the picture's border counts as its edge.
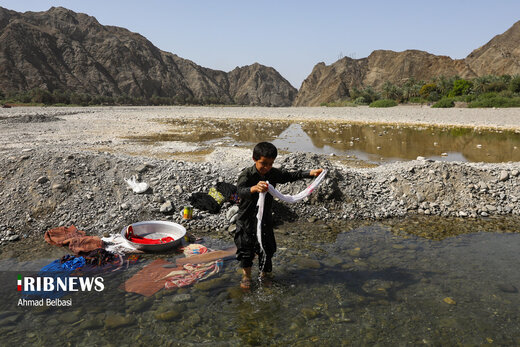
(442, 92)
(66, 98)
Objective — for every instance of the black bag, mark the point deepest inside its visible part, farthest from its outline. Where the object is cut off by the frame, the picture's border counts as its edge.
(204, 202)
(226, 189)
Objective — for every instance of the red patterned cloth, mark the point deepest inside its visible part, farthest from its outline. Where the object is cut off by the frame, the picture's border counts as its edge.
(192, 273)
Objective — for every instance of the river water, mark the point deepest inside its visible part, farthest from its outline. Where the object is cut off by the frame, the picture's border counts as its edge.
(364, 284)
(372, 144)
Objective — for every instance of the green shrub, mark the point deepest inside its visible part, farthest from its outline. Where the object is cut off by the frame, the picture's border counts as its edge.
(444, 103)
(489, 95)
(434, 96)
(460, 87)
(506, 94)
(514, 85)
(41, 96)
(391, 91)
(369, 94)
(427, 89)
(341, 103)
(495, 101)
(417, 100)
(469, 98)
(496, 86)
(360, 101)
(383, 103)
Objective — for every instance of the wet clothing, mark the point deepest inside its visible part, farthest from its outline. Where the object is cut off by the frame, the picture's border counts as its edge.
(245, 236)
(76, 239)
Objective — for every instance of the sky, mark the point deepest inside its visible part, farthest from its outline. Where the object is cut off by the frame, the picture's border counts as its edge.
(293, 36)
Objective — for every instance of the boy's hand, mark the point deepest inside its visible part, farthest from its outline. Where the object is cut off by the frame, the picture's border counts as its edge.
(316, 172)
(260, 187)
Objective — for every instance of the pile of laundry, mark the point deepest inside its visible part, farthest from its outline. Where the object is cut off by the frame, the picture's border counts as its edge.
(90, 258)
(95, 255)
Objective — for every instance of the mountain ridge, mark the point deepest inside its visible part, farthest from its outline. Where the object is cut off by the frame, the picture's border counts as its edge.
(64, 50)
(329, 83)
(60, 49)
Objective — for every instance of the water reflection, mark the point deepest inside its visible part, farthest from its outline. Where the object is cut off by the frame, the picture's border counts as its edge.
(372, 143)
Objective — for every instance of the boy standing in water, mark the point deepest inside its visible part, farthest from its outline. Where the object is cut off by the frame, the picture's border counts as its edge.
(251, 182)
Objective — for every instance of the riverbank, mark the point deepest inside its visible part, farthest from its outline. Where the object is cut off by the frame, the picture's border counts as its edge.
(42, 188)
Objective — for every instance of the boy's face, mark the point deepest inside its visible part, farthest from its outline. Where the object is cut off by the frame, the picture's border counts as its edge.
(263, 165)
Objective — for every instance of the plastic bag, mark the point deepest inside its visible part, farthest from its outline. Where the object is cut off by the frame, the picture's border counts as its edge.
(137, 187)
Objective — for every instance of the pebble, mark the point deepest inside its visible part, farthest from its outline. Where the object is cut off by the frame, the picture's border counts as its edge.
(10, 320)
(142, 168)
(167, 207)
(307, 263)
(449, 301)
(159, 198)
(208, 284)
(504, 176)
(507, 288)
(12, 238)
(309, 313)
(168, 315)
(91, 323)
(69, 317)
(180, 298)
(42, 179)
(58, 186)
(113, 321)
(232, 212)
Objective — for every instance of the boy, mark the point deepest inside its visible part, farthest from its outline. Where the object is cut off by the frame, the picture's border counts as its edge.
(251, 182)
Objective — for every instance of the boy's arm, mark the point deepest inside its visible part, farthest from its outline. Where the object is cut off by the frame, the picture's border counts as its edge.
(244, 192)
(291, 176)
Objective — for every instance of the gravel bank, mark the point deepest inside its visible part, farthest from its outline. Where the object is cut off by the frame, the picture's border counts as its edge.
(67, 166)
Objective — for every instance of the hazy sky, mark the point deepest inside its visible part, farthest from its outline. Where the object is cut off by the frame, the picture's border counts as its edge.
(293, 36)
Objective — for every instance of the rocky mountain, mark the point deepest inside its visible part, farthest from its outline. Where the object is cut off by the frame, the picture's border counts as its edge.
(328, 83)
(499, 56)
(61, 49)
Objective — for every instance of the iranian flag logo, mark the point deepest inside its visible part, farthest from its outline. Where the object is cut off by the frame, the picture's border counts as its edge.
(19, 283)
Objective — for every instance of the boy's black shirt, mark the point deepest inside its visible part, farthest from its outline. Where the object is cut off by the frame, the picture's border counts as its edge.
(246, 219)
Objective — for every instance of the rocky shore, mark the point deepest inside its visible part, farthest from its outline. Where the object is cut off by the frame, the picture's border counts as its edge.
(62, 166)
(44, 188)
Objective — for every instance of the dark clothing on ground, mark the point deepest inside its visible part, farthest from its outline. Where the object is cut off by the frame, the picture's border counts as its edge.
(245, 236)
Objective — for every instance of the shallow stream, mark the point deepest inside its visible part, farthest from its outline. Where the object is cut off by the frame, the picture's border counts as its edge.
(364, 284)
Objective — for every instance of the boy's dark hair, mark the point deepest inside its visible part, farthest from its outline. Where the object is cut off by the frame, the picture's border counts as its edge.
(265, 149)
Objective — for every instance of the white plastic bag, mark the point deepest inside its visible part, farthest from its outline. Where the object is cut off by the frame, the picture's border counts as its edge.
(137, 187)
